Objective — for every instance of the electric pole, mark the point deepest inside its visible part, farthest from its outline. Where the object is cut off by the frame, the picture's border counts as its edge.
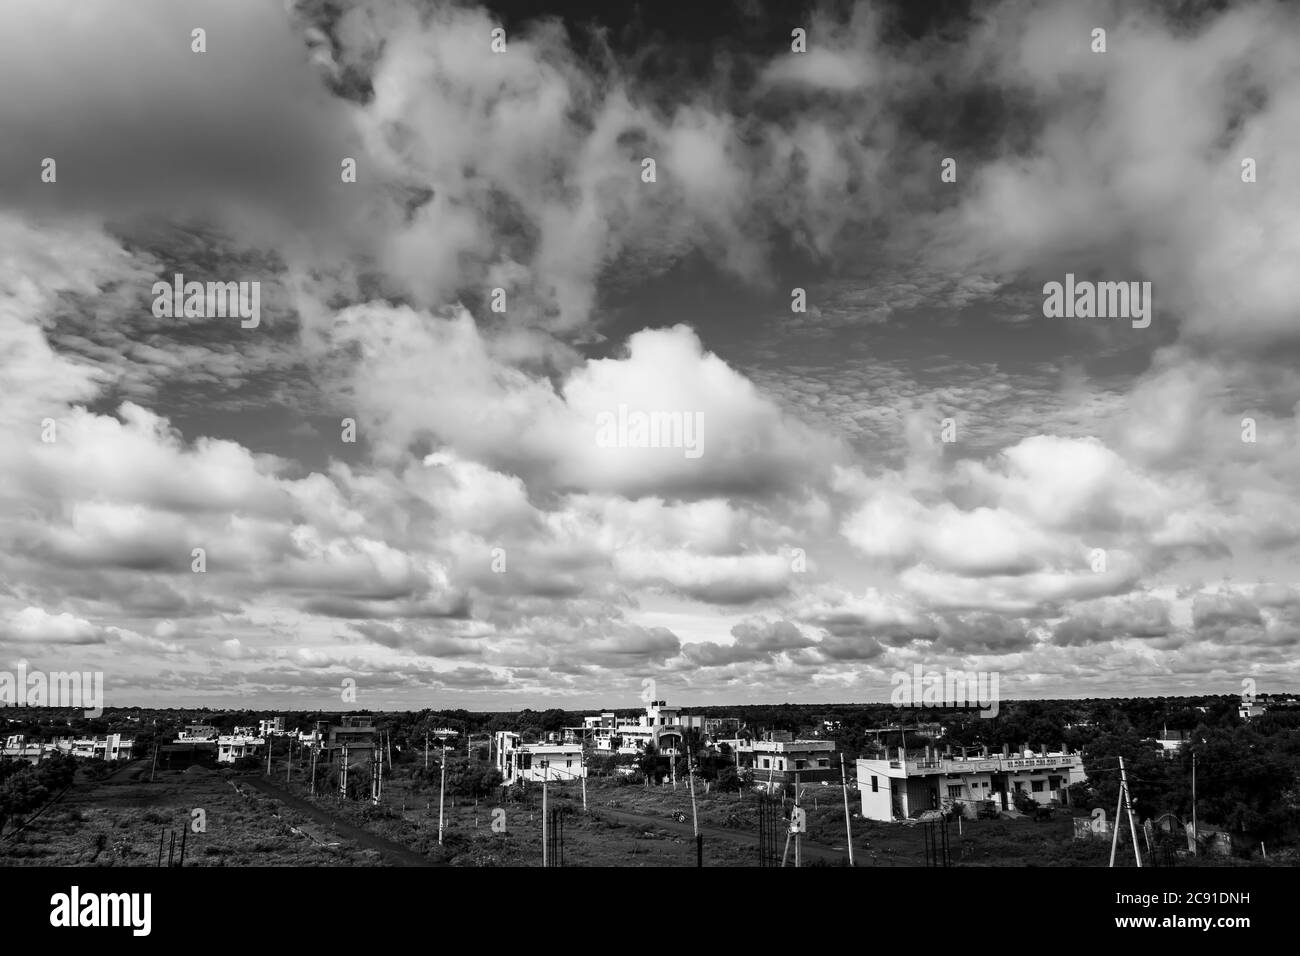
(798, 836)
(442, 789)
(1124, 795)
(848, 826)
(1196, 831)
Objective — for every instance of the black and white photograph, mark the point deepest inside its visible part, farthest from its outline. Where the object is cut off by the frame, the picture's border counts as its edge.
(634, 434)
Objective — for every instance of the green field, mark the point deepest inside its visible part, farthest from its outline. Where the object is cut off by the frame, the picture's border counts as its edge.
(251, 820)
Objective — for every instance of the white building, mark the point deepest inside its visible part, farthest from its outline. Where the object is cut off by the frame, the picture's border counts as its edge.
(659, 725)
(270, 726)
(533, 763)
(894, 788)
(233, 747)
(197, 733)
(18, 747)
(781, 761)
(105, 746)
(1171, 742)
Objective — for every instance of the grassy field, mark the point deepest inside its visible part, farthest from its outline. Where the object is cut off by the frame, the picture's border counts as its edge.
(118, 821)
(607, 837)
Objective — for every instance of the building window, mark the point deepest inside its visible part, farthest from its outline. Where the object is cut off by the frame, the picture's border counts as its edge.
(1039, 786)
(954, 791)
(765, 764)
(875, 785)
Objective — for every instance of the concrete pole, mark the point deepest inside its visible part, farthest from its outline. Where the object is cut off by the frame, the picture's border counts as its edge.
(848, 825)
(1196, 831)
(1123, 778)
(690, 776)
(1114, 833)
(442, 790)
(545, 820)
(798, 837)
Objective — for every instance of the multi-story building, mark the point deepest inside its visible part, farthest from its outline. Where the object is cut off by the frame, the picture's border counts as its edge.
(269, 726)
(534, 763)
(661, 725)
(658, 726)
(104, 746)
(355, 732)
(898, 788)
(19, 747)
(780, 761)
(235, 746)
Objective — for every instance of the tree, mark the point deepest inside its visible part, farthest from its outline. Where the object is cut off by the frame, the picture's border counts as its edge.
(728, 780)
(20, 793)
(649, 763)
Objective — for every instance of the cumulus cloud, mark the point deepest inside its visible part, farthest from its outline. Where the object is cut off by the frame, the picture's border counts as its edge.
(480, 540)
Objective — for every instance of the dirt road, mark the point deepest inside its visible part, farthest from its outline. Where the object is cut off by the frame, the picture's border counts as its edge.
(393, 854)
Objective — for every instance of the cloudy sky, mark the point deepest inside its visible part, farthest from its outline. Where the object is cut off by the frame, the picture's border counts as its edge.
(1098, 526)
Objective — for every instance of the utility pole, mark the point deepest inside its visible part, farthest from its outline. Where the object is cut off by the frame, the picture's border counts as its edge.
(1196, 831)
(268, 755)
(153, 768)
(1124, 796)
(314, 748)
(426, 750)
(288, 764)
(582, 769)
(343, 773)
(798, 837)
(848, 826)
(546, 764)
(442, 789)
(695, 820)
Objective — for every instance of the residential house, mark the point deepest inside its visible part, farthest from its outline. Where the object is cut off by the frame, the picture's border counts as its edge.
(534, 763)
(896, 787)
